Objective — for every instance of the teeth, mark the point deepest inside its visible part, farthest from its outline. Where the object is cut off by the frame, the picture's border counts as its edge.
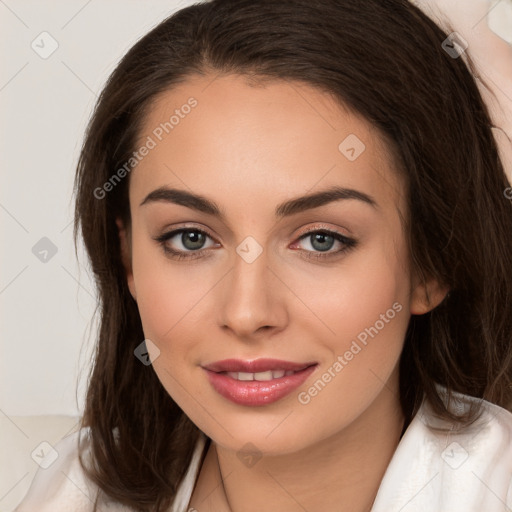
(261, 376)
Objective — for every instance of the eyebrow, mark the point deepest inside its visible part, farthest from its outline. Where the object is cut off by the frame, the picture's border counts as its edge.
(286, 209)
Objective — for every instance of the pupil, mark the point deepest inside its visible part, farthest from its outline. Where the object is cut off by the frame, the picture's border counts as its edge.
(321, 238)
(195, 237)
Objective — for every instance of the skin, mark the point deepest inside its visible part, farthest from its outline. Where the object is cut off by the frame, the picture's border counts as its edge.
(249, 148)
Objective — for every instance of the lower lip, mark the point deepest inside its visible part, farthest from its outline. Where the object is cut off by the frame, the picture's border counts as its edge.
(256, 392)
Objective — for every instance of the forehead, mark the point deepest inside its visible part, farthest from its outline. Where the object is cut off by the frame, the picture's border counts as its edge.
(216, 133)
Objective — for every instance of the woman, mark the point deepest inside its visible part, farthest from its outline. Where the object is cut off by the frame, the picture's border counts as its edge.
(295, 214)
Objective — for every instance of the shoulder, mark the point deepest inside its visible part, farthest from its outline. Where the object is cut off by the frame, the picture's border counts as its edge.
(440, 466)
(61, 484)
(486, 447)
(473, 464)
(488, 438)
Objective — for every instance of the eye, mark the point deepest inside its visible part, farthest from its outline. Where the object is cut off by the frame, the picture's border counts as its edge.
(322, 240)
(191, 239)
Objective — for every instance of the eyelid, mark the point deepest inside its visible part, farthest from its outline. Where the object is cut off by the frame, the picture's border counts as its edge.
(323, 227)
(185, 227)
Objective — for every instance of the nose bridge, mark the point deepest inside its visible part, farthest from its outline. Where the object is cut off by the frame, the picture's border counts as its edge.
(250, 280)
(250, 300)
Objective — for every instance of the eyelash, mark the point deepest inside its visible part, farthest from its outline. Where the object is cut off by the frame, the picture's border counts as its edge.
(349, 243)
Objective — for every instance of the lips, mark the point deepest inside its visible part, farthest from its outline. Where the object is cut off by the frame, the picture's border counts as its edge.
(256, 366)
(259, 382)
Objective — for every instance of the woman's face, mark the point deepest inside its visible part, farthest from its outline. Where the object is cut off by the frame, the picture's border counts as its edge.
(261, 282)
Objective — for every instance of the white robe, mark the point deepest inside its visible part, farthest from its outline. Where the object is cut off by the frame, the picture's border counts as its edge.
(454, 471)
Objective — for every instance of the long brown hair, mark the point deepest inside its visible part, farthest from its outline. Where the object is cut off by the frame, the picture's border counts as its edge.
(386, 61)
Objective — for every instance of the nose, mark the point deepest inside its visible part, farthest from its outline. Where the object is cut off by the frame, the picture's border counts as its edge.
(252, 302)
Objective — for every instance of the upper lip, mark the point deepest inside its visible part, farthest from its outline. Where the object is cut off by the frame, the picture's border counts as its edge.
(255, 366)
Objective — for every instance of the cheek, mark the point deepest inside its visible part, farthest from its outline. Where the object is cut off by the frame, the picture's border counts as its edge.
(353, 295)
(171, 311)
(168, 292)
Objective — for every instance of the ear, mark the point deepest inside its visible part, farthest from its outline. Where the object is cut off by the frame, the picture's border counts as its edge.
(126, 255)
(426, 295)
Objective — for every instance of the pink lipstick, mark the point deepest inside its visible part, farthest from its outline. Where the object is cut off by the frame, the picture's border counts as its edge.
(258, 382)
